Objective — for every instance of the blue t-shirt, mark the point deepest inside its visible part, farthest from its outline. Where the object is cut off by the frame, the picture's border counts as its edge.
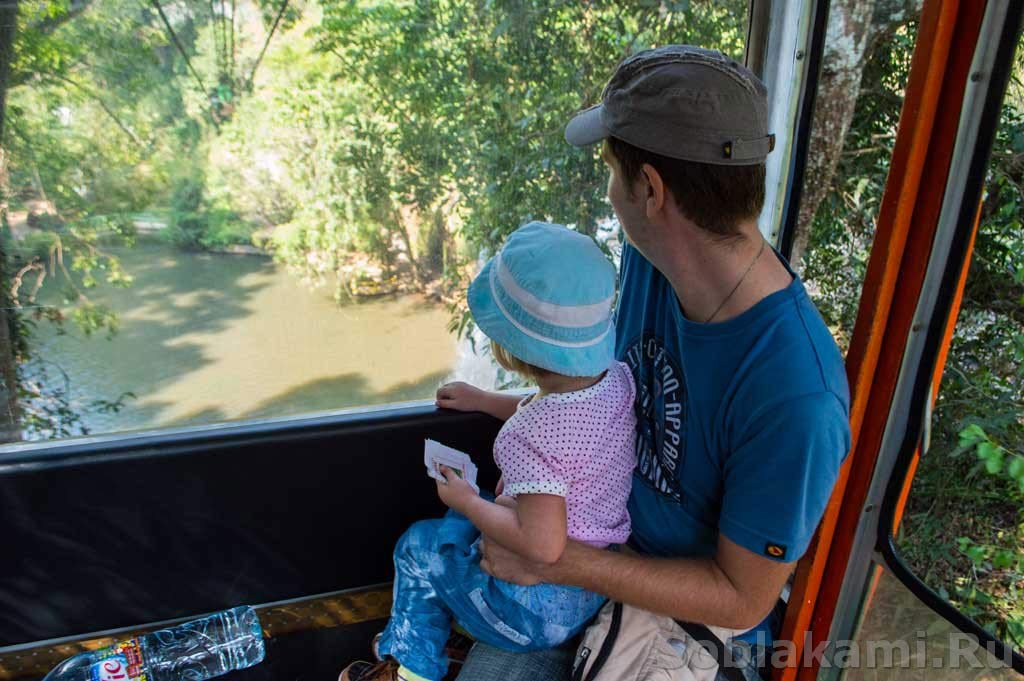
(742, 425)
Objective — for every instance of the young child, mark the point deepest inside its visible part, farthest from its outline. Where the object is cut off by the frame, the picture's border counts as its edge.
(566, 456)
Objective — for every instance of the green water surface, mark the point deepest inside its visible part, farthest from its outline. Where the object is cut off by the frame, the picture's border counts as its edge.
(206, 338)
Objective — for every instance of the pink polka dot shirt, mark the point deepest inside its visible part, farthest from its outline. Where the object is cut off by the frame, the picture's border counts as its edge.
(577, 445)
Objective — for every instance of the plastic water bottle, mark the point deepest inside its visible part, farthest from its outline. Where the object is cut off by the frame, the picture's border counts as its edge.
(194, 651)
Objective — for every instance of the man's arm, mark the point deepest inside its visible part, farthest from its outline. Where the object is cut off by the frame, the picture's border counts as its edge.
(736, 589)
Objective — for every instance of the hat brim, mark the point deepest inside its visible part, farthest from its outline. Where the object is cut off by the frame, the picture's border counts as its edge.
(586, 127)
(578, 361)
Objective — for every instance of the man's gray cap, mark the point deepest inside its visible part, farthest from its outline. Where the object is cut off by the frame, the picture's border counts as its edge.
(682, 102)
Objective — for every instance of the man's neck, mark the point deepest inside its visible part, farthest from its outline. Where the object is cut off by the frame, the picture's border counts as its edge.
(717, 279)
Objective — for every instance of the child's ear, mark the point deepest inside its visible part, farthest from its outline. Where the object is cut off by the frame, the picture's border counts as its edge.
(654, 194)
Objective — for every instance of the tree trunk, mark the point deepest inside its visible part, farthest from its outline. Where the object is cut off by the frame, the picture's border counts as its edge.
(9, 422)
(8, 24)
(846, 46)
(403, 215)
(854, 28)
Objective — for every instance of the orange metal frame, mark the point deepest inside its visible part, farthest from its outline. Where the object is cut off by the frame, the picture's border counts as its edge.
(947, 36)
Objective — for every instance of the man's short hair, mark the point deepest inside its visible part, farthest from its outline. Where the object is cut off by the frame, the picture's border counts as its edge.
(716, 197)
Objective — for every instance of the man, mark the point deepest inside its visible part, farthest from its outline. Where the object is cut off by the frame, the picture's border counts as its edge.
(742, 398)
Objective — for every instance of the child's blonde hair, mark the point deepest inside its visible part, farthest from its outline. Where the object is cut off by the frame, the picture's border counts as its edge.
(510, 362)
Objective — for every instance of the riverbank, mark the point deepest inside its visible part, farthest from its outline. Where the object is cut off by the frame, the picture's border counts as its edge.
(359, 277)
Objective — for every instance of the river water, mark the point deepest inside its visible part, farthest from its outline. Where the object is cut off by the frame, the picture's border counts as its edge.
(206, 338)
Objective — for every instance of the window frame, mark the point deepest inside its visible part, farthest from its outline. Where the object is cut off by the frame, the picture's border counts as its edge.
(788, 61)
(874, 542)
(815, 52)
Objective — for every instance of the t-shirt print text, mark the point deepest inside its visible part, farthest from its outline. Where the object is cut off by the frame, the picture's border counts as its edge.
(661, 415)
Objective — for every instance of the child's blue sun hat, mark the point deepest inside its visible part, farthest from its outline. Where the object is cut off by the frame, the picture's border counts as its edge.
(547, 298)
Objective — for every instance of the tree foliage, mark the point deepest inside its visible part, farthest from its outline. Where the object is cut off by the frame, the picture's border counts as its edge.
(108, 115)
(469, 100)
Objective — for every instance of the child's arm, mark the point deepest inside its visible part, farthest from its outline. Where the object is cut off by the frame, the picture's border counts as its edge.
(465, 397)
(535, 528)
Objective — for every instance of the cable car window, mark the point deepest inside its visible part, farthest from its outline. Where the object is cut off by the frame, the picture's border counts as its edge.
(860, 91)
(944, 512)
(962, 525)
(962, 531)
(257, 208)
(899, 635)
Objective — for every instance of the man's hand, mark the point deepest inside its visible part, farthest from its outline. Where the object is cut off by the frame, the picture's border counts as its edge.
(460, 397)
(456, 493)
(499, 562)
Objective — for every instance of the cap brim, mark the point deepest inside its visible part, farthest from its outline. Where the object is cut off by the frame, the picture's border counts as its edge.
(586, 127)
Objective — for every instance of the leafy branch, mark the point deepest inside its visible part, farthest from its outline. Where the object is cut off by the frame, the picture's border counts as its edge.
(998, 460)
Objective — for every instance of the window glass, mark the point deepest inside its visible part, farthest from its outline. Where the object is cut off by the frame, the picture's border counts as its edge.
(899, 637)
(864, 70)
(228, 210)
(963, 528)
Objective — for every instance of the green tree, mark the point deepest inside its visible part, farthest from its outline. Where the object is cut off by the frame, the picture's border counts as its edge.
(469, 100)
(9, 421)
(76, 146)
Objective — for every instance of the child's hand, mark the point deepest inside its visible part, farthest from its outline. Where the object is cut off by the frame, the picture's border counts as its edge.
(460, 396)
(457, 493)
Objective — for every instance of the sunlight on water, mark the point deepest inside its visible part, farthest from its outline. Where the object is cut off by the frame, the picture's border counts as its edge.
(206, 338)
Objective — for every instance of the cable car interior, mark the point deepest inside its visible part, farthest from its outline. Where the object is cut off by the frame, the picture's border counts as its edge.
(111, 534)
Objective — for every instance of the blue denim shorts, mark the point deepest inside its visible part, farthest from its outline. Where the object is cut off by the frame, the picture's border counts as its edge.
(438, 578)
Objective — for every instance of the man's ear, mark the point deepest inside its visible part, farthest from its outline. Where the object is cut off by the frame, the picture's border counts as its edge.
(653, 190)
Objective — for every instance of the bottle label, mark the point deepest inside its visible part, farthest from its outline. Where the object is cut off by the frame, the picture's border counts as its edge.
(121, 662)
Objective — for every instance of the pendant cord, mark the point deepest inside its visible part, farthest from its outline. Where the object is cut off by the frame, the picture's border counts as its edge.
(738, 283)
